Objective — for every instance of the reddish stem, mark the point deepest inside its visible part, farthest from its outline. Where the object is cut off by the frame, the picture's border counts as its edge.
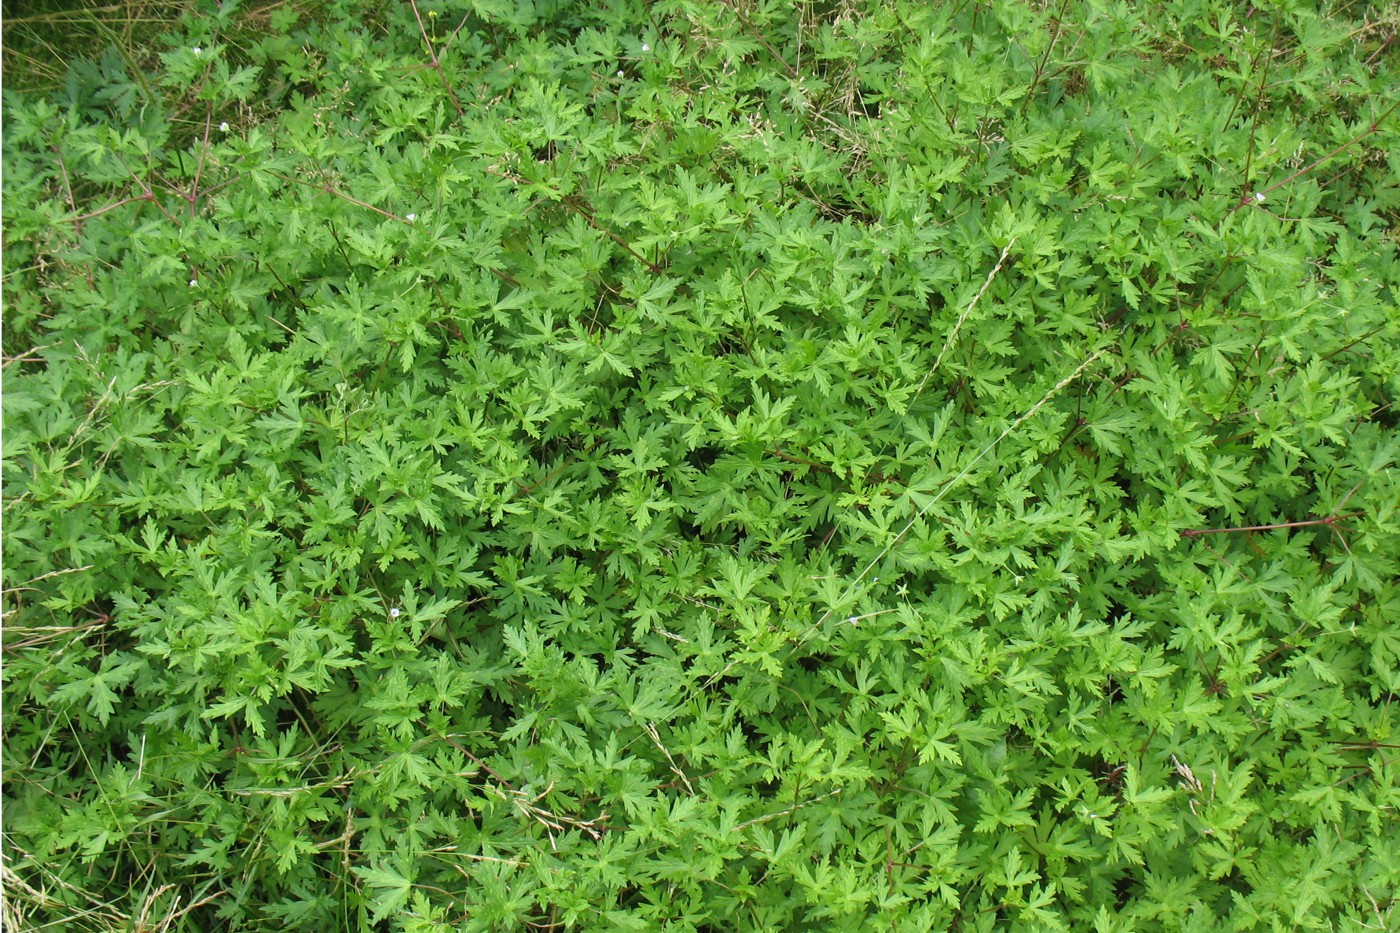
(432, 53)
(67, 183)
(1375, 125)
(110, 207)
(335, 192)
(764, 42)
(150, 195)
(588, 216)
(203, 153)
(1329, 521)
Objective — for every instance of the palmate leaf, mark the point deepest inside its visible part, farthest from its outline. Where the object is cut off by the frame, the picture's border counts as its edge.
(388, 888)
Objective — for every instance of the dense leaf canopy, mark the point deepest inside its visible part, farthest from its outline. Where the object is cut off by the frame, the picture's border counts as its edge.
(707, 466)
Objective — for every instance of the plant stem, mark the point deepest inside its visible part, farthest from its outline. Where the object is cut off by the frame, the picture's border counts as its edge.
(1375, 125)
(1330, 520)
(437, 64)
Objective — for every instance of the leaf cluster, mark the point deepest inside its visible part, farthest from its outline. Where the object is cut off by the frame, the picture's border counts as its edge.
(707, 466)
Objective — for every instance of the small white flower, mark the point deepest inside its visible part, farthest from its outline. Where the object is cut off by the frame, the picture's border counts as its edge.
(223, 127)
(411, 218)
(194, 283)
(198, 50)
(619, 72)
(395, 612)
(645, 47)
(1258, 197)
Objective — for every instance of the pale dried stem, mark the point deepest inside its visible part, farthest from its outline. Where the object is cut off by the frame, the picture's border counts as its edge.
(675, 769)
(951, 483)
(792, 809)
(953, 334)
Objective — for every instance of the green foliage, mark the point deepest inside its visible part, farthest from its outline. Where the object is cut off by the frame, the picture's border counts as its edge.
(741, 466)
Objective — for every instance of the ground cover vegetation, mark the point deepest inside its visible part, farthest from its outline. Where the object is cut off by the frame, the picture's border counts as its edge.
(705, 466)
